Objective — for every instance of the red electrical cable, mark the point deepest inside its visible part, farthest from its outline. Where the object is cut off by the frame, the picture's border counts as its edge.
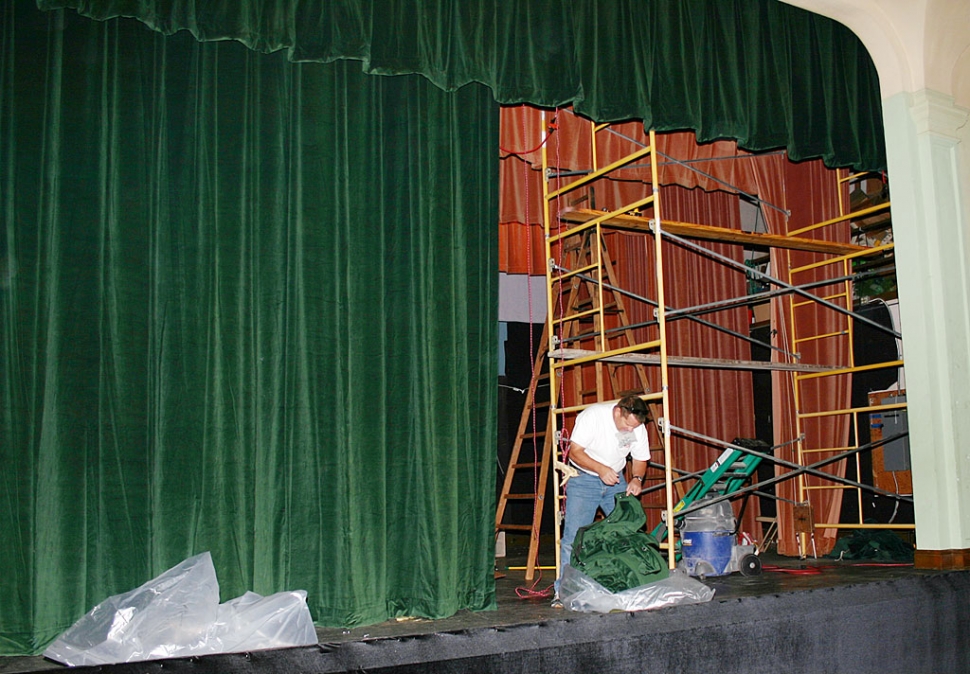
(805, 571)
(532, 593)
(551, 129)
(813, 570)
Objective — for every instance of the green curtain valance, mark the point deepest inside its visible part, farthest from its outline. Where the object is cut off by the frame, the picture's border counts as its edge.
(762, 72)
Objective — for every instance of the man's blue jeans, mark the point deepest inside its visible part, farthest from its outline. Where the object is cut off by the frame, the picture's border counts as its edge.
(584, 494)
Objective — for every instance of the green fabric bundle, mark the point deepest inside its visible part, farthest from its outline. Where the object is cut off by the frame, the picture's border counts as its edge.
(883, 546)
(616, 552)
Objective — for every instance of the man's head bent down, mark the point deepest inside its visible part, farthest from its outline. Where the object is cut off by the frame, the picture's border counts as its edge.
(629, 413)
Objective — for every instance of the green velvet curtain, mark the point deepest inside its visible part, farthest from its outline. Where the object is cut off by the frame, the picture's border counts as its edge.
(246, 306)
(759, 71)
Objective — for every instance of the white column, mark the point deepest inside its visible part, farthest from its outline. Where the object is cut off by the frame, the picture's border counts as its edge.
(928, 153)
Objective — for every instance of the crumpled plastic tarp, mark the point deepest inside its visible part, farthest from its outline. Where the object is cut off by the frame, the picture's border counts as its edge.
(178, 614)
(579, 592)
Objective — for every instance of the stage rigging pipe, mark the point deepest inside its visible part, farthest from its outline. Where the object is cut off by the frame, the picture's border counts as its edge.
(811, 469)
(686, 474)
(835, 307)
(627, 293)
(687, 312)
(802, 469)
(764, 295)
(737, 189)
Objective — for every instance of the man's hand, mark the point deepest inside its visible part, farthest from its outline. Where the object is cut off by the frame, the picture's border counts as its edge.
(608, 476)
(634, 487)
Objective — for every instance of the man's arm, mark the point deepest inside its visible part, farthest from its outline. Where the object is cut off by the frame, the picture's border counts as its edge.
(578, 455)
(635, 485)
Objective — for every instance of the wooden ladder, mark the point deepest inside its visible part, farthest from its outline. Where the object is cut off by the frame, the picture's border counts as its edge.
(535, 424)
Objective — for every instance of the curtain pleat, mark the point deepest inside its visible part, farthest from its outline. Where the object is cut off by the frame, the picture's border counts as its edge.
(248, 306)
(760, 71)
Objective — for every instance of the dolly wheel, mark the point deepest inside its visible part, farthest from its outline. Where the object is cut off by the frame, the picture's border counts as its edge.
(750, 565)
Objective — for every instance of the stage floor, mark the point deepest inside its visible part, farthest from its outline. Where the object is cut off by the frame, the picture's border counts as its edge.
(519, 603)
(779, 575)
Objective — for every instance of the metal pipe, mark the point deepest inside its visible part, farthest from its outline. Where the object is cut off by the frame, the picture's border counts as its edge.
(627, 293)
(684, 242)
(811, 469)
(766, 294)
(670, 159)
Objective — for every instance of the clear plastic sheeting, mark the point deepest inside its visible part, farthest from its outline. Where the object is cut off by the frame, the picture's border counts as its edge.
(178, 614)
(579, 592)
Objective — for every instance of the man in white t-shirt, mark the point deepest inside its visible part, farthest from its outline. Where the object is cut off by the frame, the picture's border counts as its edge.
(603, 436)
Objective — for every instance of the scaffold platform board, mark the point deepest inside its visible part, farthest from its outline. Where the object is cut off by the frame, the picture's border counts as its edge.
(709, 233)
(693, 361)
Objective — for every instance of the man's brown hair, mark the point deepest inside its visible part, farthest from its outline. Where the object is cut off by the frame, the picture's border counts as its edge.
(635, 406)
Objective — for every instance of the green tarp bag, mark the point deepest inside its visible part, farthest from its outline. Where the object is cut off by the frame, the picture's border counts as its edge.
(616, 552)
(883, 546)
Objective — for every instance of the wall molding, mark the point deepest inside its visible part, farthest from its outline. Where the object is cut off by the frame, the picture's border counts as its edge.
(942, 560)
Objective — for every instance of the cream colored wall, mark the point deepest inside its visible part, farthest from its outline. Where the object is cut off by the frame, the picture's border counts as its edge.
(915, 44)
(921, 49)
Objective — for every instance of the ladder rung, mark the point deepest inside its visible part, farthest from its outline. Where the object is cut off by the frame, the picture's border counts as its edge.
(609, 308)
(577, 316)
(526, 465)
(515, 527)
(519, 496)
(815, 338)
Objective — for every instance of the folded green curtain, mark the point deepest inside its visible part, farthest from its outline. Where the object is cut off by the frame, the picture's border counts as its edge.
(759, 71)
(616, 552)
(248, 307)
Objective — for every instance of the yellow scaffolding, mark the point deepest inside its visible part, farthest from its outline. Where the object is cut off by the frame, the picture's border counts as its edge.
(603, 351)
(809, 447)
(582, 288)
